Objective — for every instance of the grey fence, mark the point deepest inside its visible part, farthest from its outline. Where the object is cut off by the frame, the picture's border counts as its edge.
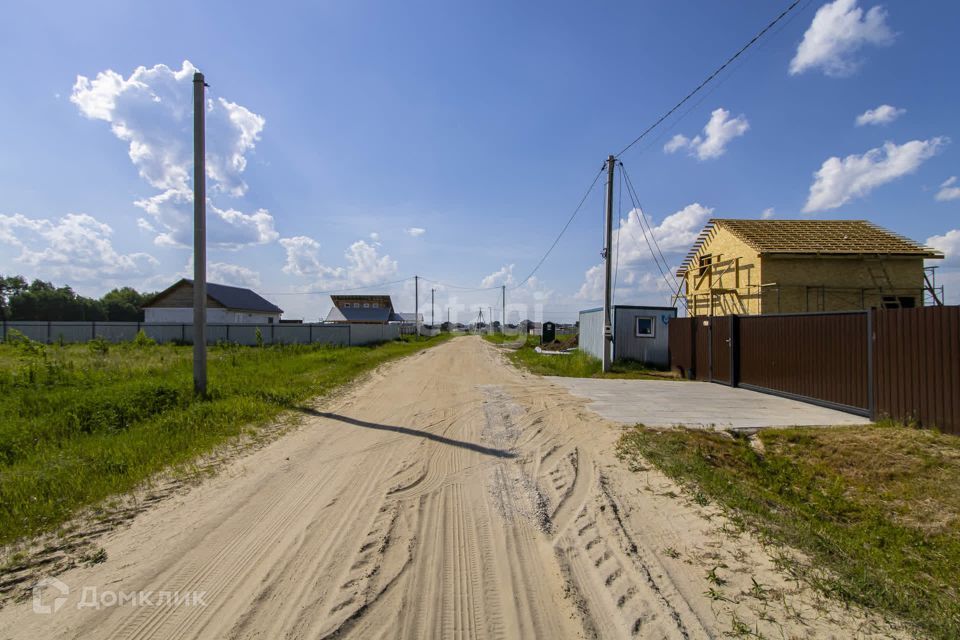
(245, 334)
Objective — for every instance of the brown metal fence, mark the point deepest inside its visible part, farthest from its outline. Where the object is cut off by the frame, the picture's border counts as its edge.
(897, 363)
(917, 366)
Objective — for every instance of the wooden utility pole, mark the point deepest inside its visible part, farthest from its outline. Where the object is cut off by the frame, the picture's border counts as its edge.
(199, 238)
(416, 303)
(607, 260)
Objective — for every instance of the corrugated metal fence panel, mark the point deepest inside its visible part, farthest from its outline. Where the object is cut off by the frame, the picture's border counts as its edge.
(819, 356)
(591, 333)
(720, 344)
(681, 345)
(917, 360)
(702, 349)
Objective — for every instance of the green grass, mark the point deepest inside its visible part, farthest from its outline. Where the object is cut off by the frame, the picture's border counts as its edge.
(577, 364)
(875, 508)
(80, 423)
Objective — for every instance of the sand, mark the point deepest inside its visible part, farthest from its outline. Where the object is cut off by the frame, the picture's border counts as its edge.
(448, 495)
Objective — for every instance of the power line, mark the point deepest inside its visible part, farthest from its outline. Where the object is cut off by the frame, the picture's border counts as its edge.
(643, 221)
(638, 212)
(710, 77)
(360, 288)
(454, 286)
(562, 231)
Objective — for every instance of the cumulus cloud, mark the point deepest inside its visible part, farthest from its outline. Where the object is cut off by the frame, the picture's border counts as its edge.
(415, 232)
(840, 29)
(884, 114)
(949, 245)
(232, 274)
(375, 236)
(638, 273)
(77, 246)
(364, 264)
(717, 133)
(152, 111)
(840, 180)
(948, 191)
(503, 276)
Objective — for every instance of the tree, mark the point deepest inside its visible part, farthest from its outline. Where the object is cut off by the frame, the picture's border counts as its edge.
(10, 286)
(123, 305)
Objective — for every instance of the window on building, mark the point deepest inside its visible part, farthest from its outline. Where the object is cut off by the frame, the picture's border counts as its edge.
(366, 305)
(899, 302)
(645, 327)
(375, 305)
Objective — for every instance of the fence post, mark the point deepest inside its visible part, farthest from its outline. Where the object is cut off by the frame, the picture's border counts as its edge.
(49, 340)
(93, 329)
(273, 330)
(310, 332)
(871, 365)
(183, 333)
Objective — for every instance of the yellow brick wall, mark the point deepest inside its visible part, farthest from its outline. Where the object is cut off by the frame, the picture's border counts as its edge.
(724, 246)
(847, 282)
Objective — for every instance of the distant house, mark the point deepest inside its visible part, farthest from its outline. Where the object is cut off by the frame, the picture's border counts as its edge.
(788, 266)
(362, 309)
(225, 304)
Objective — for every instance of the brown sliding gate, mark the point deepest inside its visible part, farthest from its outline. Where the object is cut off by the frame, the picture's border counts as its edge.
(898, 363)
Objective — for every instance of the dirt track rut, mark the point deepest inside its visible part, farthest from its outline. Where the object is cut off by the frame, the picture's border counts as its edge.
(448, 496)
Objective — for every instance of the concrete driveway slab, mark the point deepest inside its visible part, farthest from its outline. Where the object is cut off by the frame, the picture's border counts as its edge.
(664, 403)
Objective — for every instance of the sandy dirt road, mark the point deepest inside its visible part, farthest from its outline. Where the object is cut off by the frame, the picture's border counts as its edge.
(446, 496)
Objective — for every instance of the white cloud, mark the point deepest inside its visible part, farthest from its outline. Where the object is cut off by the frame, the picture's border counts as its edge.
(884, 114)
(840, 180)
(77, 246)
(503, 276)
(375, 236)
(767, 213)
(364, 264)
(949, 244)
(232, 274)
(415, 232)
(638, 274)
(948, 191)
(839, 29)
(717, 133)
(152, 111)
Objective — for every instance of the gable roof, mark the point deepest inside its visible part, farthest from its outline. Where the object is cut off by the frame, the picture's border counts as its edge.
(817, 237)
(230, 297)
(359, 314)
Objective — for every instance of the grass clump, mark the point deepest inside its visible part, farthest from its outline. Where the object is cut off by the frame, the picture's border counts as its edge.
(576, 364)
(79, 423)
(875, 508)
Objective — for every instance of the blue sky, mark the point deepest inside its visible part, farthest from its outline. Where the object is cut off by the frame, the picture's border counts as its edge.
(344, 128)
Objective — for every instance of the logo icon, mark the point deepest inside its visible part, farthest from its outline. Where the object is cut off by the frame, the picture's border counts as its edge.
(58, 600)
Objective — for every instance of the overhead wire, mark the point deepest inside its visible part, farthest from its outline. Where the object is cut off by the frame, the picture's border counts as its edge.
(343, 290)
(710, 77)
(562, 231)
(640, 215)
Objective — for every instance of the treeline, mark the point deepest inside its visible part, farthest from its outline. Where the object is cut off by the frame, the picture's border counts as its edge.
(39, 300)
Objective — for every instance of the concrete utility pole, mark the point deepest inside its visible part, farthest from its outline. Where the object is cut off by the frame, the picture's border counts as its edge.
(432, 322)
(490, 324)
(416, 303)
(199, 238)
(503, 312)
(607, 260)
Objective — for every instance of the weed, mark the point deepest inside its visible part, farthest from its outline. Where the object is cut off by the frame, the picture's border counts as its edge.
(874, 508)
(79, 424)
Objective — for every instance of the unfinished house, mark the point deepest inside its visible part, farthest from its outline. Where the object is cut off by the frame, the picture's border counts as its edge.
(791, 266)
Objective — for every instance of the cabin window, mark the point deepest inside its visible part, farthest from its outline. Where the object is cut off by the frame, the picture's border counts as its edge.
(375, 305)
(645, 327)
(899, 302)
(366, 305)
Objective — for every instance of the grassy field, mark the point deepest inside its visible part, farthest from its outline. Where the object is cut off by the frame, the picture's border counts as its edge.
(877, 507)
(79, 423)
(577, 364)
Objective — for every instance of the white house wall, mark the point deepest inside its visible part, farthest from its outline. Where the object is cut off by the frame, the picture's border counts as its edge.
(184, 315)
